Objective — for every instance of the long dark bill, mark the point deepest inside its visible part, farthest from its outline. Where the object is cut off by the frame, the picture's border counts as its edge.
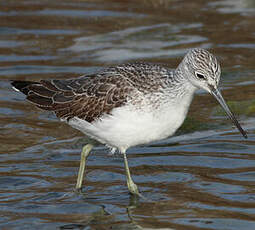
(216, 93)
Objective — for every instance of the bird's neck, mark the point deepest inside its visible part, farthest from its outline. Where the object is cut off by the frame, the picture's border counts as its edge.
(179, 86)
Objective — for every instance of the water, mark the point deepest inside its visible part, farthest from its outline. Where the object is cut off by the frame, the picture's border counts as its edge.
(202, 178)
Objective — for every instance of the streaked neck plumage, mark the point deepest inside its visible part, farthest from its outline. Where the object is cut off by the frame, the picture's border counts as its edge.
(179, 87)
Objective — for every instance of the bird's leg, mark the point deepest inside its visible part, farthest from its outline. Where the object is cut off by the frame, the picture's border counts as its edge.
(132, 187)
(84, 154)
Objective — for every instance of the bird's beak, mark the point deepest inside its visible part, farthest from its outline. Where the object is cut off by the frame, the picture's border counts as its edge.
(216, 93)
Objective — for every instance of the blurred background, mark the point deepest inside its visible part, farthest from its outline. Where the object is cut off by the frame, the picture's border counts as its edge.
(202, 178)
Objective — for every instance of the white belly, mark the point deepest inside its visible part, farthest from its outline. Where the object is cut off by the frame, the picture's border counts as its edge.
(127, 126)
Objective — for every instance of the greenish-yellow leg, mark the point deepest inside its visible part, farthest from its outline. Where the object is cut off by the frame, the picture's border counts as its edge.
(84, 155)
(132, 187)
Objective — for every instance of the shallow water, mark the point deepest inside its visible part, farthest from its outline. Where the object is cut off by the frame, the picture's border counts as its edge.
(202, 178)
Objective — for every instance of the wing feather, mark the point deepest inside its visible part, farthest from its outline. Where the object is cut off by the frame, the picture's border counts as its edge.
(85, 97)
(90, 97)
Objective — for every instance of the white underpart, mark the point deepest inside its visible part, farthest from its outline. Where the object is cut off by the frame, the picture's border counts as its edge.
(128, 126)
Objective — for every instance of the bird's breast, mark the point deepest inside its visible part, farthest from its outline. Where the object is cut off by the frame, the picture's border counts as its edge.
(130, 125)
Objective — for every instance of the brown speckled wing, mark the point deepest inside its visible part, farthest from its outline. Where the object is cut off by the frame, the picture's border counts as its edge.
(87, 97)
(91, 97)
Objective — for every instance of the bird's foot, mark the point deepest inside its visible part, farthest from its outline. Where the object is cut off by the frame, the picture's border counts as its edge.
(133, 189)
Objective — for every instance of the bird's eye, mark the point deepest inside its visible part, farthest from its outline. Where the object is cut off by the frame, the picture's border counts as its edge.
(200, 76)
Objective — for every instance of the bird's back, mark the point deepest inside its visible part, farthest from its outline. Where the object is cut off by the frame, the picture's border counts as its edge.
(89, 97)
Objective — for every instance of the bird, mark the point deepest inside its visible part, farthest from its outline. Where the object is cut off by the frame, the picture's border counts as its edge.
(129, 104)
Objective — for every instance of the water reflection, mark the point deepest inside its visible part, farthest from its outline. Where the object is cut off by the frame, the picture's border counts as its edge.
(137, 43)
(244, 7)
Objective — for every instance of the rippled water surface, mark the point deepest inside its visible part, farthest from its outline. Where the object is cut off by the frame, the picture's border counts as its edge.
(202, 178)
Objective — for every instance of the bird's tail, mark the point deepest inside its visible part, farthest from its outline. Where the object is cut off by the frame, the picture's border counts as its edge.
(23, 86)
(39, 93)
(52, 95)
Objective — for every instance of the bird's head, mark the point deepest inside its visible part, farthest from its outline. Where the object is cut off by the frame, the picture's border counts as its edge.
(202, 70)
